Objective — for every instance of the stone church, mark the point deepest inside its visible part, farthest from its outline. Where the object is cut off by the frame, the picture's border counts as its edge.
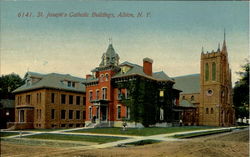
(208, 95)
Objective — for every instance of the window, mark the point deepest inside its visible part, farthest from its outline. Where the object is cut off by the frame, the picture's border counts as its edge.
(21, 116)
(63, 99)
(118, 112)
(63, 112)
(104, 93)
(78, 100)
(207, 111)
(70, 114)
(101, 78)
(97, 94)
(97, 112)
(37, 98)
(161, 93)
(212, 111)
(52, 113)
(73, 84)
(127, 94)
(83, 114)
(183, 98)
(106, 77)
(77, 114)
(84, 101)
(90, 113)
(69, 83)
(19, 100)
(71, 99)
(52, 97)
(119, 94)
(127, 112)
(28, 99)
(206, 72)
(90, 96)
(213, 71)
(63, 125)
(192, 98)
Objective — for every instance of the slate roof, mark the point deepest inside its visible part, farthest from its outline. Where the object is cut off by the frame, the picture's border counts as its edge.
(186, 103)
(138, 70)
(52, 80)
(188, 83)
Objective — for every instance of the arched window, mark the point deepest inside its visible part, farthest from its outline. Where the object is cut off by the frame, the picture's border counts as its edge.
(207, 111)
(107, 77)
(213, 71)
(212, 111)
(206, 72)
(101, 78)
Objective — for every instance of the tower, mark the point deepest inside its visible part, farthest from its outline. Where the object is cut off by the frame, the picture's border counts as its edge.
(215, 107)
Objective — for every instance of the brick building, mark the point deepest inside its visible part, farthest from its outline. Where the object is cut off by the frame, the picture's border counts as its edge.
(104, 105)
(50, 101)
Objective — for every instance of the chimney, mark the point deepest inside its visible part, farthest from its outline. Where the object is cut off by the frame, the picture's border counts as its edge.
(147, 66)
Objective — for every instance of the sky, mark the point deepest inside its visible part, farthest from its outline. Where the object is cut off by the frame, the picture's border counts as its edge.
(171, 33)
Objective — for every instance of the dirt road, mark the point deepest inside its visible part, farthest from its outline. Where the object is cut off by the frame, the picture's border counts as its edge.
(233, 144)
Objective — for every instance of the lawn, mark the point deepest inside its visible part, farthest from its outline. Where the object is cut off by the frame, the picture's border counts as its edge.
(5, 134)
(141, 131)
(96, 139)
(197, 134)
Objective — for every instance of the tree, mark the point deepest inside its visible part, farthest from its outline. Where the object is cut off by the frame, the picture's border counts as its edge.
(241, 93)
(8, 83)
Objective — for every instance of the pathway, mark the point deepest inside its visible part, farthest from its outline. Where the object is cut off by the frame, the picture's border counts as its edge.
(161, 137)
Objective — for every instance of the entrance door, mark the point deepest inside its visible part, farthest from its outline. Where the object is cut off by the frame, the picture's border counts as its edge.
(21, 116)
(104, 113)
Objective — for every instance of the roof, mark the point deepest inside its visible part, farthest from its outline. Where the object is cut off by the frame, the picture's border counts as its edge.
(188, 83)
(138, 70)
(186, 103)
(51, 80)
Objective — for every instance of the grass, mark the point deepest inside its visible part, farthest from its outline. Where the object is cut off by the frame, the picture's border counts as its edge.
(23, 141)
(141, 131)
(197, 134)
(96, 139)
(5, 134)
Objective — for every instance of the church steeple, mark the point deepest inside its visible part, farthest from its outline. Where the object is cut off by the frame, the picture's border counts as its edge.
(224, 47)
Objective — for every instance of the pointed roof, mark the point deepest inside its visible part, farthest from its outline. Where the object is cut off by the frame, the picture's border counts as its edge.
(224, 47)
(110, 57)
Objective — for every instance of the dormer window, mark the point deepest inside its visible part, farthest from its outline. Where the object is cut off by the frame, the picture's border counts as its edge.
(28, 82)
(69, 84)
(125, 69)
